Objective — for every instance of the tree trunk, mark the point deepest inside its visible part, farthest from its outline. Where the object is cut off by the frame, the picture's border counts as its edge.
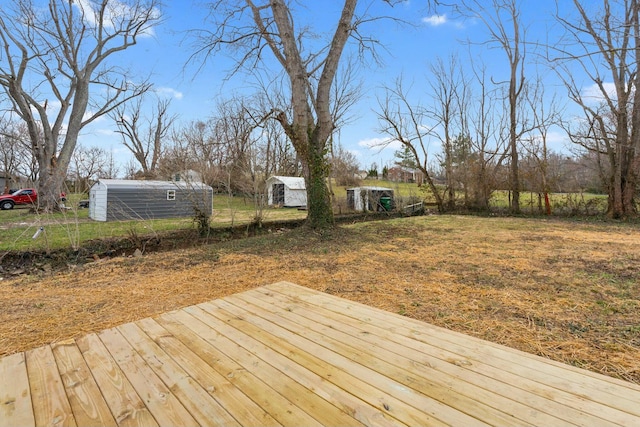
(308, 134)
(513, 144)
(320, 211)
(451, 197)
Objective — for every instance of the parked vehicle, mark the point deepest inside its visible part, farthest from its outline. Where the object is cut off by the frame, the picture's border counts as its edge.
(24, 196)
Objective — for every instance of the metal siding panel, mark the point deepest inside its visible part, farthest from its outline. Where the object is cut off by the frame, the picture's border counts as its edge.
(98, 202)
(137, 203)
(294, 198)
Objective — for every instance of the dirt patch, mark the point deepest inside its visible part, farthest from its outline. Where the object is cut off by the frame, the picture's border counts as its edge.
(564, 290)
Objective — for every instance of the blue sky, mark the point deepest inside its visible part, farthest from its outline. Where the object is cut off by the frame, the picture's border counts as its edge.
(408, 51)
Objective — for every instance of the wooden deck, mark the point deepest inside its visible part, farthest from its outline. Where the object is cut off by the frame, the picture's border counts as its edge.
(286, 355)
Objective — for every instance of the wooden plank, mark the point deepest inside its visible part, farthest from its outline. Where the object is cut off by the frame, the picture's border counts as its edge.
(478, 401)
(403, 404)
(608, 391)
(465, 376)
(323, 411)
(161, 402)
(126, 406)
(87, 403)
(242, 408)
(210, 346)
(288, 355)
(15, 394)
(406, 380)
(50, 404)
(387, 406)
(339, 407)
(205, 409)
(327, 300)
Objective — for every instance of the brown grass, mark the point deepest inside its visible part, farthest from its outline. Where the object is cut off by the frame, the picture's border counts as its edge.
(564, 290)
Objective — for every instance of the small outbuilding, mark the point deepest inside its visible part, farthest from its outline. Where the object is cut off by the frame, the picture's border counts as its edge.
(376, 199)
(286, 191)
(119, 199)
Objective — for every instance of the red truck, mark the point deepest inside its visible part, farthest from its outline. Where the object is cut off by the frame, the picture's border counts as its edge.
(24, 196)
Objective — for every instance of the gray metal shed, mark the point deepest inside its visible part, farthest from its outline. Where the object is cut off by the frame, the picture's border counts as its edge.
(119, 199)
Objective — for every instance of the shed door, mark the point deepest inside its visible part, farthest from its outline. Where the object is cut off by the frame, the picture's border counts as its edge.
(278, 194)
(351, 199)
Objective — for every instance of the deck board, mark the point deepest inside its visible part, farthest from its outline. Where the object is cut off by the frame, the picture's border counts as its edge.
(414, 367)
(283, 354)
(435, 362)
(597, 390)
(15, 393)
(47, 389)
(87, 403)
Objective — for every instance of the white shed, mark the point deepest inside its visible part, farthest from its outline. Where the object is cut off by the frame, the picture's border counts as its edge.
(121, 199)
(376, 199)
(288, 191)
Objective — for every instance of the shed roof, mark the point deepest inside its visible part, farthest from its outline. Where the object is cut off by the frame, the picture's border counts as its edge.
(371, 188)
(164, 185)
(292, 182)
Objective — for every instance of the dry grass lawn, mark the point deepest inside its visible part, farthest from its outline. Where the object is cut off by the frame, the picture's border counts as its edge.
(565, 290)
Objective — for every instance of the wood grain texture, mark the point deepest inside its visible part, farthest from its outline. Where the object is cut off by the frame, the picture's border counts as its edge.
(285, 355)
(15, 393)
(126, 406)
(157, 397)
(87, 403)
(50, 403)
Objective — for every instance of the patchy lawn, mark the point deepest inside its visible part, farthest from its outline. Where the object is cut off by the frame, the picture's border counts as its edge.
(565, 290)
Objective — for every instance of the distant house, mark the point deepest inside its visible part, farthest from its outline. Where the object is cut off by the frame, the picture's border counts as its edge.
(404, 174)
(361, 175)
(188, 175)
(286, 191)
(121, 199)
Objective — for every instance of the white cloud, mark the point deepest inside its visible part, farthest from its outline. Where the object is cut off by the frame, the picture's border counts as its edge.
(435, 20)
(593, 93)
(380, 143)
(169, 92)
(555, 137)
(552, 137)
(103, 131)
(115, 11)
(89, 113)
(119, 150)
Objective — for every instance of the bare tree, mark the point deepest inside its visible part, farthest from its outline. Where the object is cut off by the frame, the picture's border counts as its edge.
(279, 157)
(12, 151)
(56, 58)
(87, 165)
(487, 151)
(608, 41)
(544, 115)
(251, 27)
(195, 147)
(411, 125)
(448, 86)
(234, 124)
(344, 167)
(144, 136)
(16, 150)
(111, 168)
(503, 21)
